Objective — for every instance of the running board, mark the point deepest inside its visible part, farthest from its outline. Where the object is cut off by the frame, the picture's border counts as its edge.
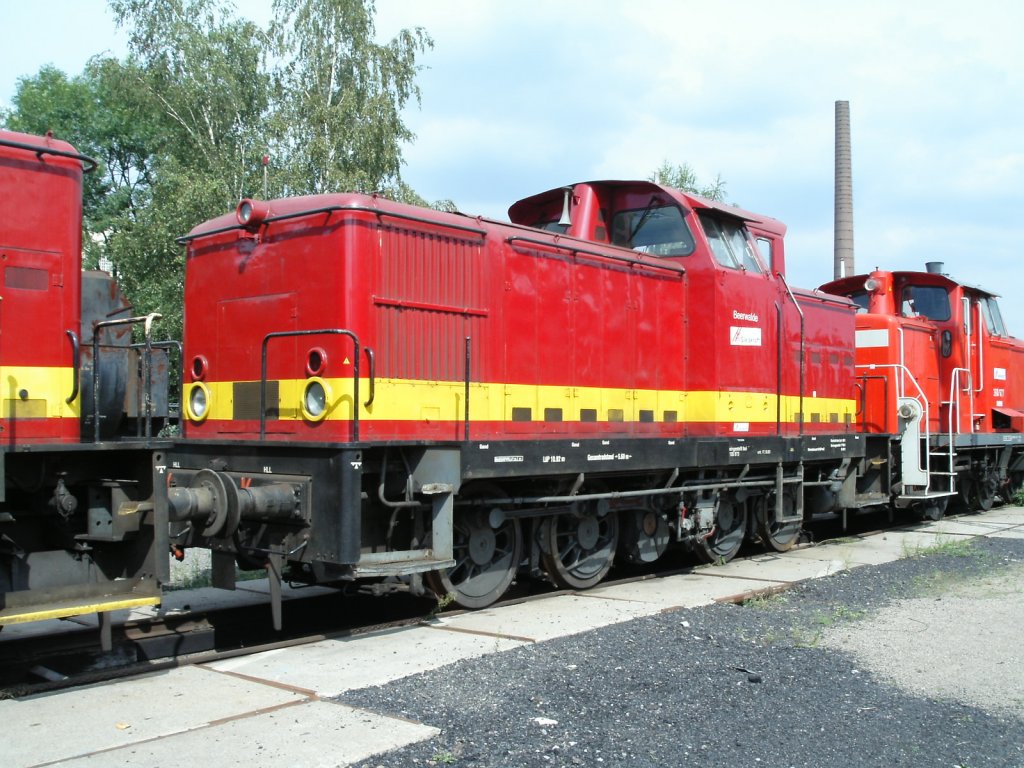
(398, 567)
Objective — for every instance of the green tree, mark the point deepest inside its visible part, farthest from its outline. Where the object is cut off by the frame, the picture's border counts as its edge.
(99, 115)
(339, 94)
(181, 125)
(683, 177)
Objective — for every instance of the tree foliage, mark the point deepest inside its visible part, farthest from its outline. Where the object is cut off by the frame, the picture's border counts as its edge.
(338, 115)
(181, 125)
(683, 177)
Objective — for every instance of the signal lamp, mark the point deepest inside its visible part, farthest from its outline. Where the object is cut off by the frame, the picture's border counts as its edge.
(251, 213)
(871, 284)
(199, 367)
(316, 361)
(315, 398)
(198, 403)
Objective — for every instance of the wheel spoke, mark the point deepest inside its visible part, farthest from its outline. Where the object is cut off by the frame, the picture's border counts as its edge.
(486, 561)
(725, 540)
(571, 564)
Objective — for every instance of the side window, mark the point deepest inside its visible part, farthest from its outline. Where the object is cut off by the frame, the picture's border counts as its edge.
(764, 245)
(929, 301)
(729, 243)
(993, 318)
(861, 299)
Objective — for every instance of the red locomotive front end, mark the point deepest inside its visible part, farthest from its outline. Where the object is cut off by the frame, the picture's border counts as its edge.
(938, 370)
(40, 255)
(82, 528)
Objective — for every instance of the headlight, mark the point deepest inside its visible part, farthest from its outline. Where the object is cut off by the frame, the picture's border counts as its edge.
(315, 399)
(198, 402)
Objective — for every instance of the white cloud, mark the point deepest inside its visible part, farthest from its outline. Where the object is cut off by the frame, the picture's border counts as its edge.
(518, 98)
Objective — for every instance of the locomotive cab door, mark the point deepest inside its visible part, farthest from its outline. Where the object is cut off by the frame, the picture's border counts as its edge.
(747, 375)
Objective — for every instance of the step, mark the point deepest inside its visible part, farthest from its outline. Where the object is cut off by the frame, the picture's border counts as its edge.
(926, 495)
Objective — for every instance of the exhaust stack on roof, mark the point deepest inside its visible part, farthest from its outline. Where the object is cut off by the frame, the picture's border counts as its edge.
(844, 194)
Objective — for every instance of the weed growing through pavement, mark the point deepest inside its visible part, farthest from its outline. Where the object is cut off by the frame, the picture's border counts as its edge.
(951, 547)
(443, 601)
(765, 600)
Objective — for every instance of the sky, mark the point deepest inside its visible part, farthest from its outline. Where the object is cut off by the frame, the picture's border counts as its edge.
(521, 97)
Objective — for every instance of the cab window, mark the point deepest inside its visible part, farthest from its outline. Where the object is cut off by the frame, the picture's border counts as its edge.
(993, 318)
(730, 243)
(659, 230)
(861, 299)
(929, 301)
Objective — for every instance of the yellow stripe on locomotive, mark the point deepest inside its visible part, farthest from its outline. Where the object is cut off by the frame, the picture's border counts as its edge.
(412, 401)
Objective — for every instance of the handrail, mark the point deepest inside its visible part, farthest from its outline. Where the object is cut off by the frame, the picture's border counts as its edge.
(905, 374)
(955, 392)
(668, 266)
(981, 359)
(469, 362)
(148, 321)
(329, 209)
(803, 349)
(40, 151)
(373, 375)
(76, 362)
(166, 344)
(317, 332)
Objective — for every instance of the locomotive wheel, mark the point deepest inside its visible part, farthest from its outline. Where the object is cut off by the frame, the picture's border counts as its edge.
(778, 536)
(486, 560)
(643, 536)
(963, 501)
(578, 550)
(982, 493)
(725, 539)
(930, 509)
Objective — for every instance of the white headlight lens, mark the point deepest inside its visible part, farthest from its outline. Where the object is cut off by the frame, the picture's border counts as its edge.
(314, 400)
(198, 402)
(244, 212)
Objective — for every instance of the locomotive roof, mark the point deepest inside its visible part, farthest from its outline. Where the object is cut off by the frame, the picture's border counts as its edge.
(856, 282)
(688, 199)
(43, 145)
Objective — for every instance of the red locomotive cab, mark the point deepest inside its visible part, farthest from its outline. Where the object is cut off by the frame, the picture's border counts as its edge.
(40, 258)
(949, 345)
(995, 362)
(901, 321)
(744, 324)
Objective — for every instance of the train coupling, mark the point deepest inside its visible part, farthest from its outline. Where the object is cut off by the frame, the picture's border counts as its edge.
(216, 502)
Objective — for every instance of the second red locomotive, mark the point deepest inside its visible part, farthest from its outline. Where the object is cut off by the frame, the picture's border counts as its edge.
(376, 390)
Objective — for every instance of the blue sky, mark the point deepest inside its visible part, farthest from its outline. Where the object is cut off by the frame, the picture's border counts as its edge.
(521, 97)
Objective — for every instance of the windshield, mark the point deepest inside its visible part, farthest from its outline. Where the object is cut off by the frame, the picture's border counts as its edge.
(925, 301)
(658, 230)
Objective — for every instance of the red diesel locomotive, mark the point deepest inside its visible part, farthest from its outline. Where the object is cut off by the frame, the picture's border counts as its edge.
(936, 365)
(78, 527)
(376, 390)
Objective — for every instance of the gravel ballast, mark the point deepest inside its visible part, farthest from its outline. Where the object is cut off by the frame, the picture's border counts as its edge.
(916, 662)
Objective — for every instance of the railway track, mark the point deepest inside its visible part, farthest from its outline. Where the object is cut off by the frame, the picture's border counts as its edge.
(66, 659)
